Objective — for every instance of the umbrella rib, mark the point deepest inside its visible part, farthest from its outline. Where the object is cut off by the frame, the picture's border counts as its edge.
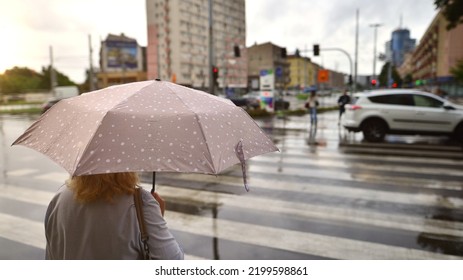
(207, 145)
(200, 127)
(101, 122)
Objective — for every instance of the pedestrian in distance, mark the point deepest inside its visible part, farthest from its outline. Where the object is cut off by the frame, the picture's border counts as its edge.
(94, 217)
(342, 101)
(311, 104)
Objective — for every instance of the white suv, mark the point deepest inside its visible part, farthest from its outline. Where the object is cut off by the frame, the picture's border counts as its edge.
(403, 111)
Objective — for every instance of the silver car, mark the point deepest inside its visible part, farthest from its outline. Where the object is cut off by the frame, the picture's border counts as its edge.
(403, 111)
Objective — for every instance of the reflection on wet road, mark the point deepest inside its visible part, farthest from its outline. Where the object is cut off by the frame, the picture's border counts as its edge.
(326, 195)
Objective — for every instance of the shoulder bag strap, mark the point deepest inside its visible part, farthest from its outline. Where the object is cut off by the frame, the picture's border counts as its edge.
(141, 222)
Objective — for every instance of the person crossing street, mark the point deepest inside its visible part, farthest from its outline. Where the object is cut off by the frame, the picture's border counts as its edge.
(342, 101)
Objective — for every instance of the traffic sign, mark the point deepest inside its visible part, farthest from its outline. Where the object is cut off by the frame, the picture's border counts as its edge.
(323, 76)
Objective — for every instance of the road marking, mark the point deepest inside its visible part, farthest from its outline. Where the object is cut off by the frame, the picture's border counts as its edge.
(301, 242)
(356, 165)
(22, 230)
(294, 209)
(59, 177)
(360, 177)
(331, 190)
(21, 172)
(307, 210)
(27, 195)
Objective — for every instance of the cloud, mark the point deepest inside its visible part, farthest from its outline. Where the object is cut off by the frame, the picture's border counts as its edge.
(29, 27)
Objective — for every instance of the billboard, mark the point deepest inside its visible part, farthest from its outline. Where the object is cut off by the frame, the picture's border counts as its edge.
(121, 54)
(267, 85)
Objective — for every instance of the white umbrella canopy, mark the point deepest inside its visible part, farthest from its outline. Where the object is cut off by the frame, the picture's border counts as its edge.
(150, 126)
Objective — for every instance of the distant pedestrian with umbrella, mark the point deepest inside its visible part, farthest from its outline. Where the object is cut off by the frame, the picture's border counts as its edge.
(342, 101)
(312, 104)
(94, 217)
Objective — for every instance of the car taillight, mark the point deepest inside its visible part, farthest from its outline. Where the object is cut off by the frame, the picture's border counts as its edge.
(355, 107)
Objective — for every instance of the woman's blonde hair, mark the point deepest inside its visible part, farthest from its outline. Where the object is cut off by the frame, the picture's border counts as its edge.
(88, 188)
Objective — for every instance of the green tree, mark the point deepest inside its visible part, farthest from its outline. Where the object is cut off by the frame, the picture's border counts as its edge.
(452, 11)
(61, 79)
(19, 80)
(23, 79)
(457, 71)
(394, 75)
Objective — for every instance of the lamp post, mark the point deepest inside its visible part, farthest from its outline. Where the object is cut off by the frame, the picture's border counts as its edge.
(375, 26)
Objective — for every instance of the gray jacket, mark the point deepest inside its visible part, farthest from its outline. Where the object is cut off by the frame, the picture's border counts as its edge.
(103, 230)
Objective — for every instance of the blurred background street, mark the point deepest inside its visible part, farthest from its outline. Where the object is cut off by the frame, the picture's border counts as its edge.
(325, 195)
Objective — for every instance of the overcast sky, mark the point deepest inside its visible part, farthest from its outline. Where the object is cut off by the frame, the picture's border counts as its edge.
(29, 27)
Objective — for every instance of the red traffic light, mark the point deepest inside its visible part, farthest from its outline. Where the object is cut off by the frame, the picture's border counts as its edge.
(215, 70)
(373, 82)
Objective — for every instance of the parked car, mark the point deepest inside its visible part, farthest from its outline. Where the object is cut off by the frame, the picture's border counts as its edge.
(403, 111)
(281, 104)
(47, 105)
(250, 100)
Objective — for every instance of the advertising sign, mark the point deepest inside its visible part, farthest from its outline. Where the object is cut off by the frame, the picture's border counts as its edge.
(121, 54)
(267, 86)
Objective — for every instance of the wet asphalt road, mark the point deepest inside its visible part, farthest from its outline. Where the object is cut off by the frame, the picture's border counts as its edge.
(325, 195)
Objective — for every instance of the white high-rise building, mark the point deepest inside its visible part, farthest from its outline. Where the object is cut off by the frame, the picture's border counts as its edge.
(178, 42)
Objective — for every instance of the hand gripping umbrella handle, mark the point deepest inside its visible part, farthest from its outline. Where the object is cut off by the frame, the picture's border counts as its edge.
(240, 155)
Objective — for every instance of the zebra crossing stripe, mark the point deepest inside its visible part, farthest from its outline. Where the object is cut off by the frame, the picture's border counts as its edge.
(293, 150)
(393, 221)
(27, 195)
(21, 172)
(301, 242)
(31, 233)
(342, 164)
(361, 177)
(22, 230)
(306, 210)
(375, 195)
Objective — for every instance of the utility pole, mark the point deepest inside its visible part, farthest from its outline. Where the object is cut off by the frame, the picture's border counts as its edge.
(90, 72)
(52, 73)
(354, 88)
(211, 52)
(375, 26)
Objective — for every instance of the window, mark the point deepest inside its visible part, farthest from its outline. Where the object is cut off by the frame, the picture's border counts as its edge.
(393, 99)
(426, 101)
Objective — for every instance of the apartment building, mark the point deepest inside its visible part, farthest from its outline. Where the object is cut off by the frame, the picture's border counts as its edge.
(179, 44)
(438, 51)
(302, 72)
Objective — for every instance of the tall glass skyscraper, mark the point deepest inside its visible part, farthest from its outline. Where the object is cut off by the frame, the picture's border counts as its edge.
(400, 44)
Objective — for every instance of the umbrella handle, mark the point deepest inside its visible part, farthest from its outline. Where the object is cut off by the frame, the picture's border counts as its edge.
(154, 180)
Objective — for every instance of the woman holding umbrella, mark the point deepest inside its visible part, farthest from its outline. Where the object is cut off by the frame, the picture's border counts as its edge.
(94, 217)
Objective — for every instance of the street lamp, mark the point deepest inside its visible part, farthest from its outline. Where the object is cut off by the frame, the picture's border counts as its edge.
(375, 26)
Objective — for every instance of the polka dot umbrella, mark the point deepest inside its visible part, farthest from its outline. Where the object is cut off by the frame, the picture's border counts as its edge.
(150, 126)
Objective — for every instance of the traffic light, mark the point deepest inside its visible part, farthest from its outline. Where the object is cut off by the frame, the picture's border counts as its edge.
(316, 50)
(373, 82)
(215, 75)
(236, 49)
(350, 80)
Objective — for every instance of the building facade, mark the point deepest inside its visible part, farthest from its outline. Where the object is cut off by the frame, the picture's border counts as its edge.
(437, 53)
(268, 57)
(122, 60)
(179, 42)
(302, 72)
